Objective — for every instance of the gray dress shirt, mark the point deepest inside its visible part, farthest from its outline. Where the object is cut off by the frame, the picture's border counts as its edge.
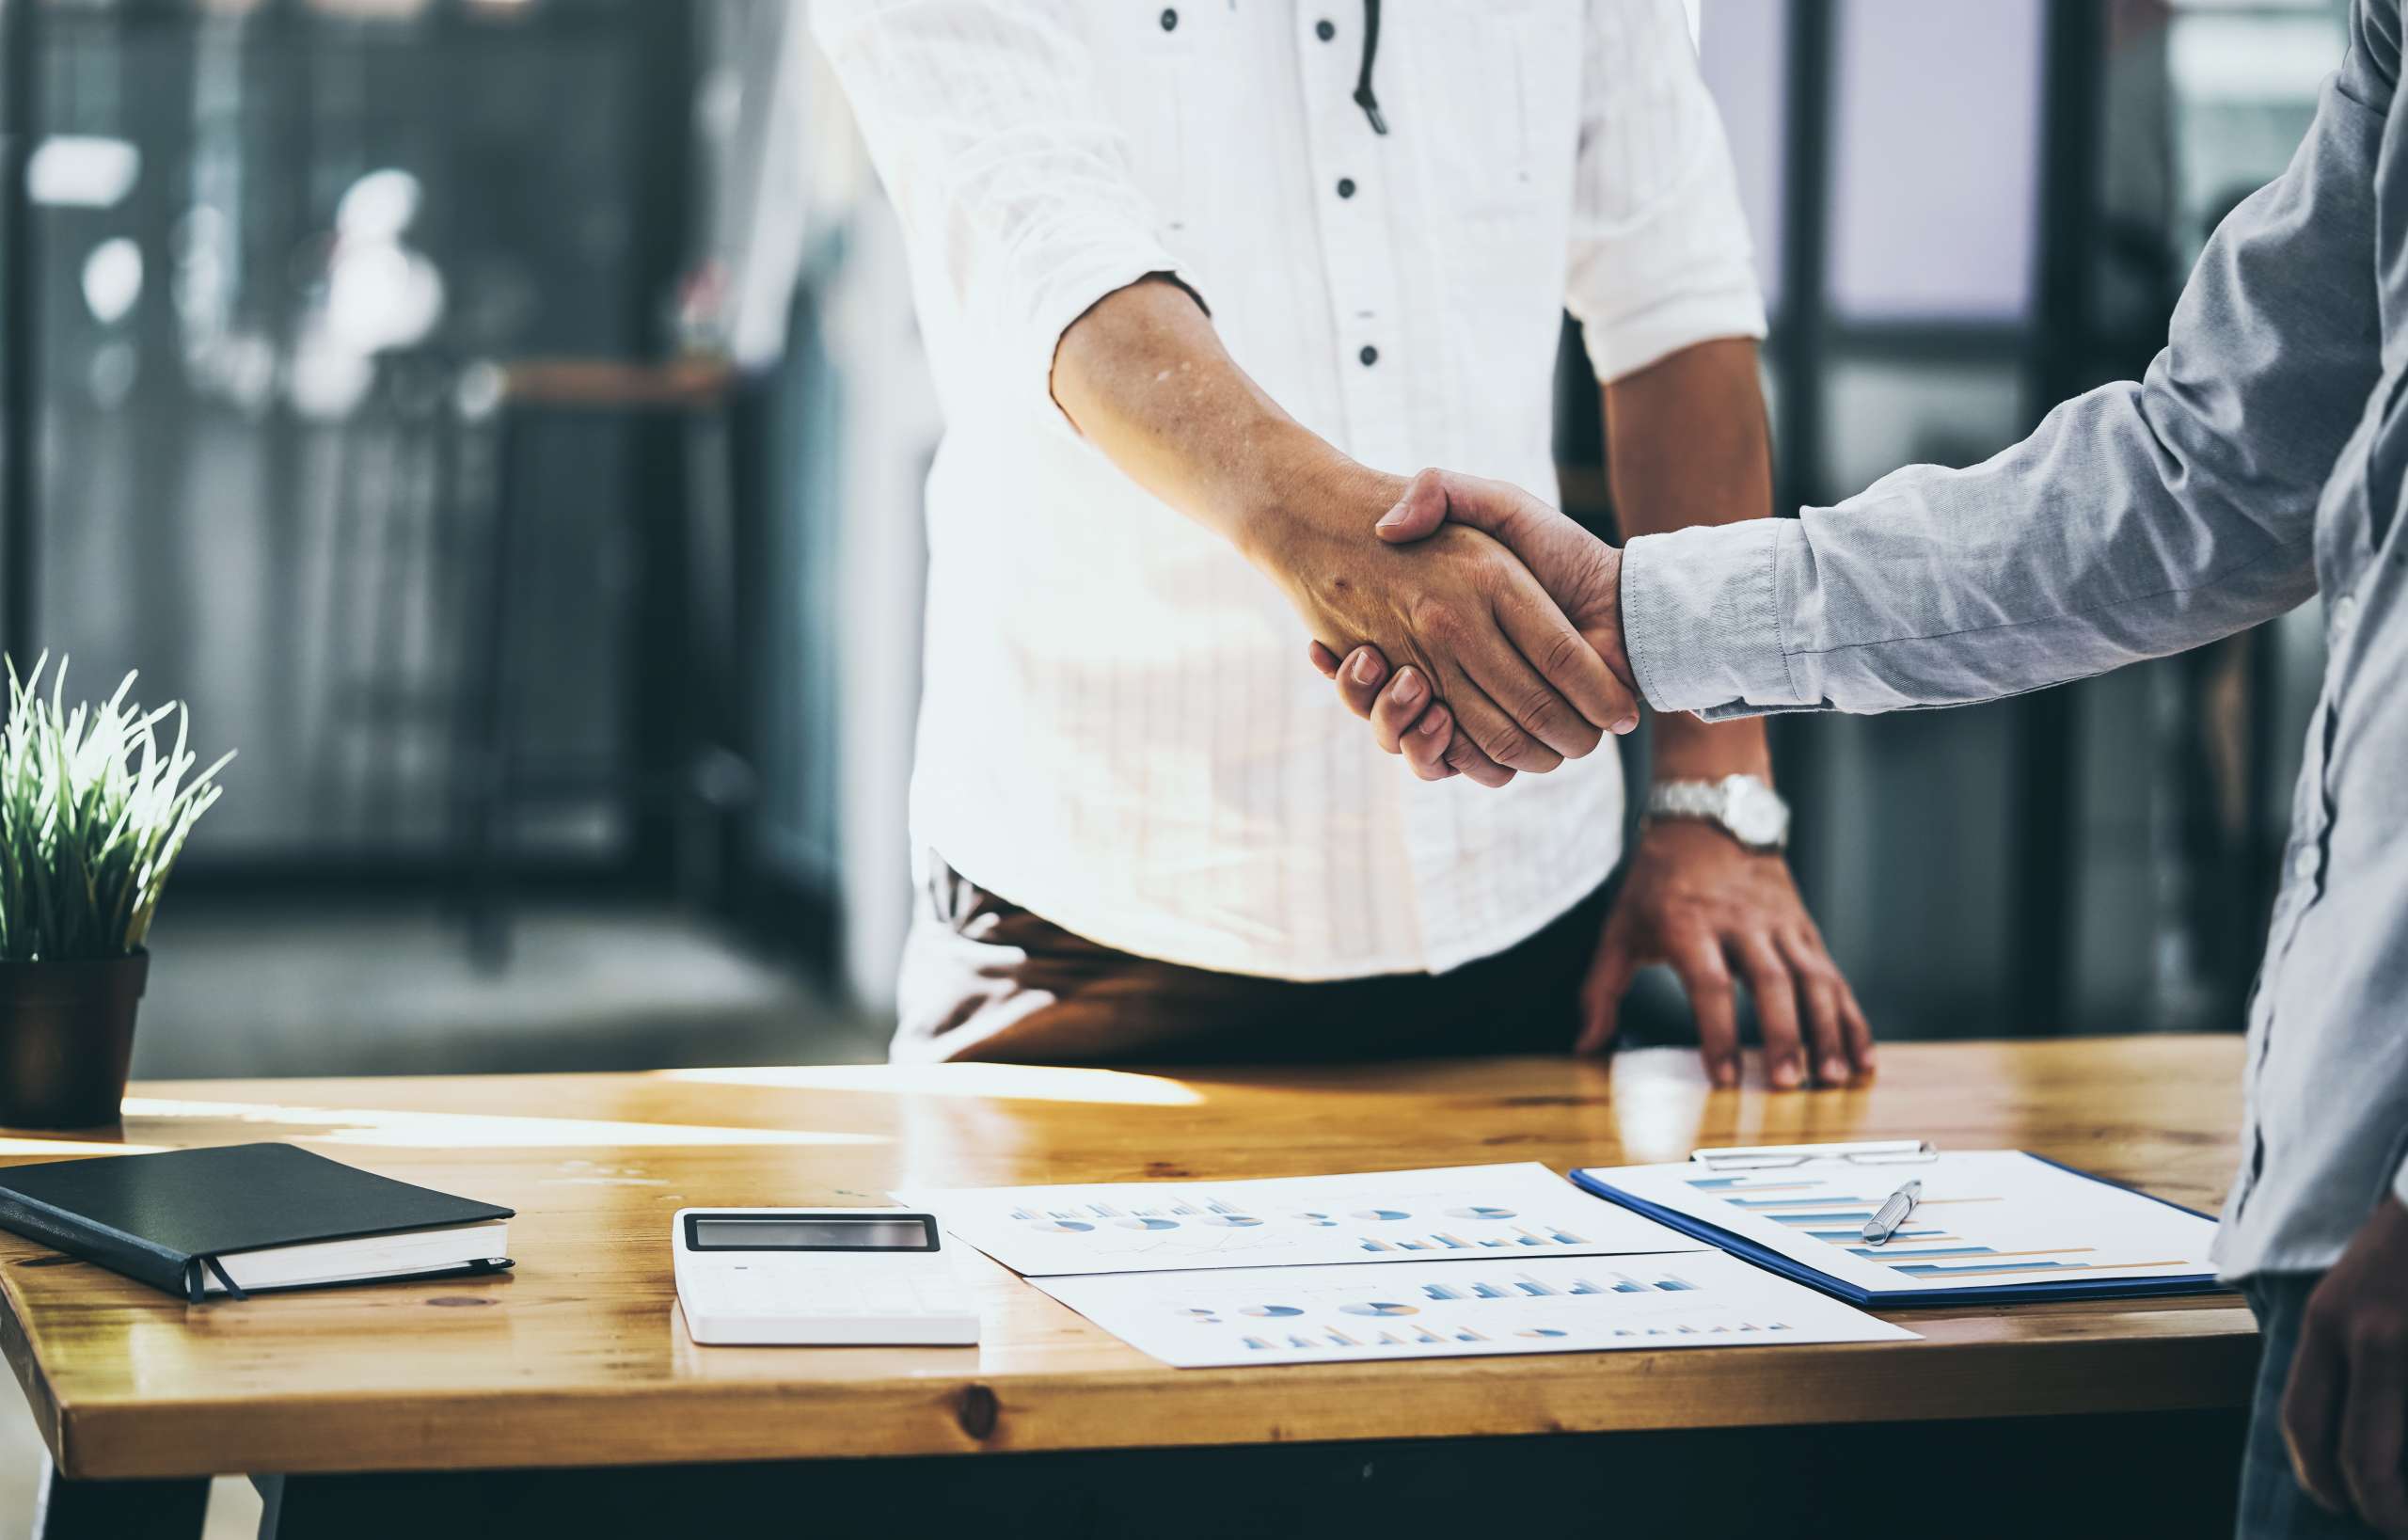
(2258, 463)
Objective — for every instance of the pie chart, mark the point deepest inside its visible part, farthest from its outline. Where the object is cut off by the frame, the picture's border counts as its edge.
(1318, 1221)
(1480, 1211)
(1381, 1213)
(1379, 1309)
(1541, 1331)
(1234, 1221)
(1272, 1310)
(1061, 1227)
(1143, 1221)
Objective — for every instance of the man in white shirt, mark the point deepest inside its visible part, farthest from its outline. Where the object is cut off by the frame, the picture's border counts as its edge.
(1199, 282)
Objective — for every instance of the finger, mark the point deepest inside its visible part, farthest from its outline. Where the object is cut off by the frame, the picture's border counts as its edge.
(1359, 681)
(1514, 716)
(1564, 660)
(1820, 990)
(2311, 1410)
(1466, 758)
(1859, 1030)
(1400, 706)
(2372, 1433)
(1706, 978)
(1776, 991)
(1418, 514)
(1426, 746)
(1324, 659)
(1492, 728)
(1602, 992)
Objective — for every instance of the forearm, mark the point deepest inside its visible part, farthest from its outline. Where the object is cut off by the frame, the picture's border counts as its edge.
(1143, 378)
(2137, 521)
(1687, 443)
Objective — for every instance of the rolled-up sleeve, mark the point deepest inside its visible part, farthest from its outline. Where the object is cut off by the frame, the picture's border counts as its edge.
(1660, 258)
(2140, 520)
(979, 116)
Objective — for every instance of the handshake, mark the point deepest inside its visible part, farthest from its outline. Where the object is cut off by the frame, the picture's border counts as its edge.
(1501, 652)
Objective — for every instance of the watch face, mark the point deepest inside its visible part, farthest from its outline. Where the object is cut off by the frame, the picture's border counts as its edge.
(1754, 812)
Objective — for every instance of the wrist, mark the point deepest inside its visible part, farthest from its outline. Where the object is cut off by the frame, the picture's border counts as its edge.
(1742, 806)
(1304, 493)
(1686, 749)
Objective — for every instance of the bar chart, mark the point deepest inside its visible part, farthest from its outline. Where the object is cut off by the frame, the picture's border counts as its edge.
(1323, 1314)
(1460, 1212)
(1997, 1217)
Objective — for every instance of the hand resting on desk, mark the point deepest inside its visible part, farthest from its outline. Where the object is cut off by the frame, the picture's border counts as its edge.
(1691, 896)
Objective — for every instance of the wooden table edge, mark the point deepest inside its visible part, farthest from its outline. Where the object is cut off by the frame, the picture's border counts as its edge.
(17, 1348)
(973, 1414)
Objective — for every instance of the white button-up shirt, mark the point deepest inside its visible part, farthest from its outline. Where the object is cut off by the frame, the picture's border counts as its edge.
(1119, 730)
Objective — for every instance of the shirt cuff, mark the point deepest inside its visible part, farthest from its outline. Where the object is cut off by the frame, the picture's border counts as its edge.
(1701, 618)
(1629, 344)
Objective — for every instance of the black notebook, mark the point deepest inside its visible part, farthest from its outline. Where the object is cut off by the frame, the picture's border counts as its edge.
(243, 1217)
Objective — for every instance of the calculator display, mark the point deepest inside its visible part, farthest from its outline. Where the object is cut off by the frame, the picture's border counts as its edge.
(809, 1232)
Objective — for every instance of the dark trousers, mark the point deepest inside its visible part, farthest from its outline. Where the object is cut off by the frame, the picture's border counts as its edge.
(2274, 1505)
(983, 978)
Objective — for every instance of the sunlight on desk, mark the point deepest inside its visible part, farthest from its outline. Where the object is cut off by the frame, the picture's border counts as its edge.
(395, 1129)
(1006, 1082)
(14, 1146)
(1659, 1102)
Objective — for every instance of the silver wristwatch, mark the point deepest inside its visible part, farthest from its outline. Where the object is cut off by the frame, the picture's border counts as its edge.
(1749, 810)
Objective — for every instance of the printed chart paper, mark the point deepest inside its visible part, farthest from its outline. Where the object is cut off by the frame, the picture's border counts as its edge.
(1486, 1212)
(1986, 1216)
(1459, 1308)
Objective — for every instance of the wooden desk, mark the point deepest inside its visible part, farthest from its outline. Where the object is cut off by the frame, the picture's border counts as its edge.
(575, 1361)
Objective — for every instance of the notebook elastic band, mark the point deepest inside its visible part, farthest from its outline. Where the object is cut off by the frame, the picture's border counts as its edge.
(217, 1270)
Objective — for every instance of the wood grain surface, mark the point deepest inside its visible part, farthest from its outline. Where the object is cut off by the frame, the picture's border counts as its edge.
(578, 1358)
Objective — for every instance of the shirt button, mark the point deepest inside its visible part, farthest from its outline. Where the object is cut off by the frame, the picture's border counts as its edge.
(1346, 186)
(1370, 355)
(1170, 20)
(2304, 865)
(1325, 29)
(2345, 615)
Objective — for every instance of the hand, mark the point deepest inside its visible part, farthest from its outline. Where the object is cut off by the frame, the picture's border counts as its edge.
(1696, 898)
(1527, 690)
(2344, 1412)
(1581, 573)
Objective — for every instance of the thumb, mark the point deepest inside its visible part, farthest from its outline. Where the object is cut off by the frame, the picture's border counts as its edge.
(1418, 514)
(1494, 508)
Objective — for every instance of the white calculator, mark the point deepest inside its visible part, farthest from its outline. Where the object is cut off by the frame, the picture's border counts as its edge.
(817, 1277)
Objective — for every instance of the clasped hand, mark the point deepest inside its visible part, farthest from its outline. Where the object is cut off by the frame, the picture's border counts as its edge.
(1526, 684)
(1413, 706)
(1691, 897)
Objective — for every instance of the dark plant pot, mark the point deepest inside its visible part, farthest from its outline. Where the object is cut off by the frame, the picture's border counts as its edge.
(66, 1037)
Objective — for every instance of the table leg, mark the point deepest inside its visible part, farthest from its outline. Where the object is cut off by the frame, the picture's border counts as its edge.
(119, 1510)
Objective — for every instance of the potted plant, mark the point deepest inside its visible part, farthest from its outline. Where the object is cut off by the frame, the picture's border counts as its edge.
(92, 815)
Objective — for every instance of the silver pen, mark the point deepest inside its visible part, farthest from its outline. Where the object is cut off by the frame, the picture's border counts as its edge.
(1892, 1213)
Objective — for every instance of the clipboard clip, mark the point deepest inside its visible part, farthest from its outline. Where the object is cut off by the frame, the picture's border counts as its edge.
(1775, 1157)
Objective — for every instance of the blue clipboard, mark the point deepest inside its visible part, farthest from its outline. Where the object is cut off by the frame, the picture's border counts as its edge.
(1991, 1294)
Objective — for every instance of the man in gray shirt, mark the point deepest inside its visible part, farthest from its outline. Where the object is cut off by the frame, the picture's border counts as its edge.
(2258, 464)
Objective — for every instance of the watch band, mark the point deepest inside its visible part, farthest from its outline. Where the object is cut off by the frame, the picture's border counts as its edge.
(1743, 806)
(1688, 799)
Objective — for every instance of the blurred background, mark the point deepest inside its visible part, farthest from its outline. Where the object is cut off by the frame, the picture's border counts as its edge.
(503, 421)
